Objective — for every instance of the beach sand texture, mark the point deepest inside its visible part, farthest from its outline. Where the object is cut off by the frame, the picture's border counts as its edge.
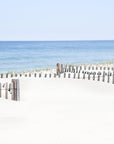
(59, 111)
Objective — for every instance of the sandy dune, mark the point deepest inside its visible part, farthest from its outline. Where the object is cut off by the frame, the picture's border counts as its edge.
(59, 111)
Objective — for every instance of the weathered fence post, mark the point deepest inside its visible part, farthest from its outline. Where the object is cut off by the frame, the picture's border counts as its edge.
(50, 75)
(74, 75)
(73, 69)
(20, 75)
(80, 67)
(7, 75)
(1, 75)
(18, 90)
(59, 68)
(62, 69)
(78, 75)
(25, 75)
(6, 91)
(104, 68)
(54, 75)
(15, 90)
(65, 68)
(45, 75)
(10, 89)
(103, 77)
(83, 74)
(84, 67)
(39, 75)
(108, 80)
(35, 75)
(98, 76)
(88, 75)
(100, 67)
(94, 73)
(64, 75)
(69, 68)
(16, 75)
(89, 68)
(76, 69)
(113, 78)
(69, 75)
(29, 74)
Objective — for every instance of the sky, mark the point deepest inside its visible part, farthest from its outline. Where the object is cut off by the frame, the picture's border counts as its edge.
(56, 20)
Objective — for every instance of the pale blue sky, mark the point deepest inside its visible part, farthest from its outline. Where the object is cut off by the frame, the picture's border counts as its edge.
(56, 19)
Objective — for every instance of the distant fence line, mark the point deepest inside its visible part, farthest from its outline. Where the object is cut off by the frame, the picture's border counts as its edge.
(99, 73)
(11, 90)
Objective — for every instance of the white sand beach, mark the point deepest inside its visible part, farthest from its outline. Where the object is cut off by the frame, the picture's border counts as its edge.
(56, 71)
(59, 111)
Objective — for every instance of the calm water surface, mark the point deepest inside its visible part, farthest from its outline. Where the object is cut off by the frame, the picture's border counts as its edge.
(31, 55)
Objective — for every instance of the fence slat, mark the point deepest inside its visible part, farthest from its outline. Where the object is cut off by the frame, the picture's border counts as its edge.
(1, 75)
(103, 77)
(20, 75)
(84, 67)
(83, 75)
(69, 75)
(6, 91)
(7, 75)
(18, 90)
(45, 75)
(94, 76)
(50, 75)
(113, 78)
(59, 68)
(64, 75)
(74, 75)
(78, 75)
(54, 75)
(39, 75)
(108, 80)
(98, 79)
(13, 91)
(35, 74)
(88, 75)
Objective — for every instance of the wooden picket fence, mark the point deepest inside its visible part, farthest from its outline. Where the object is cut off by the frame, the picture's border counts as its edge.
(10, 90)
(99, 73)
(105, 74)
(95, 73)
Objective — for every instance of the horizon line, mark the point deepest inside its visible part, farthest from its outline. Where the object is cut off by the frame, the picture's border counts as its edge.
(51, 40)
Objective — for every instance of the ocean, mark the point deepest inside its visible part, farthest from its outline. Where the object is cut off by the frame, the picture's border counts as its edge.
(17, 56)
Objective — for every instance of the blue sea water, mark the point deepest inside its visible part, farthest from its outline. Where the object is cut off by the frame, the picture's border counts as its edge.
(31, 55)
